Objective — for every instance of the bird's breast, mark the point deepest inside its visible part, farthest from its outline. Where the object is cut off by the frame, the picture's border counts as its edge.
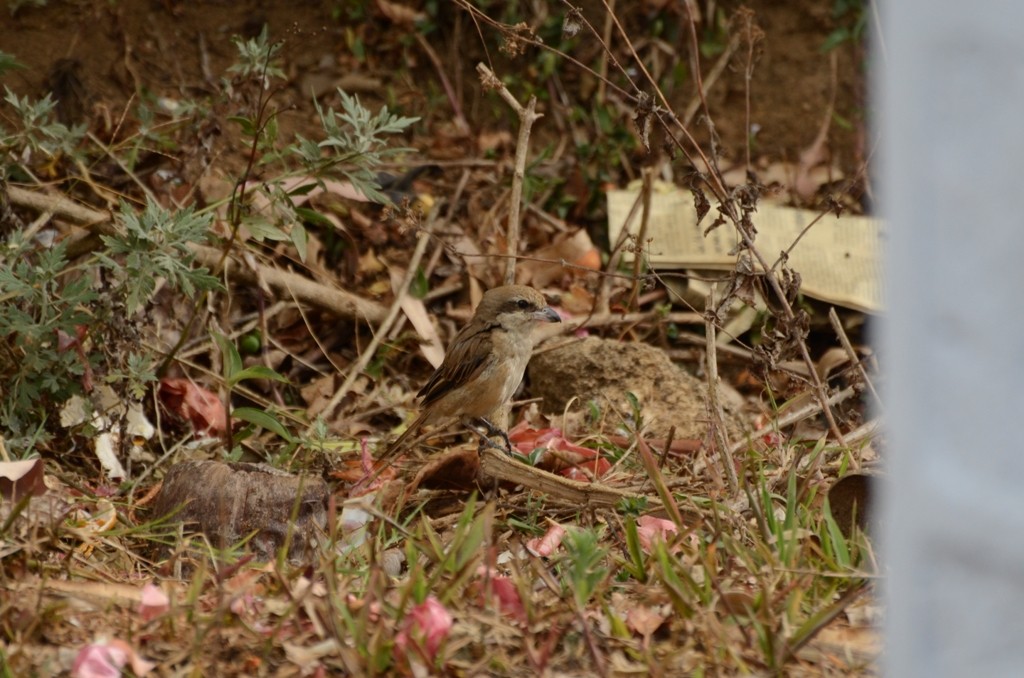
(495, 383)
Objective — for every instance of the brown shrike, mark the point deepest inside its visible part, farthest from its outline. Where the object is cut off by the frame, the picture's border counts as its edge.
(485, 362)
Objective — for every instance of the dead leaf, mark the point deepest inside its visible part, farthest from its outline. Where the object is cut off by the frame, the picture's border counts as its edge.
(455, 470)
(318, 393)
(487, 142)
(400, 14)
(21, 478)
(644, 620)
(104, 446)
(416, 312)
(577, 300)
(373, 473)
(851, 500)
(783, 176)
(307, 658)
(47, 510)
(87, 525)
(344, 189)
(832, 359)
(351, 471)
(203, 409)
(575, 248)
(378, 288)
(369, 263)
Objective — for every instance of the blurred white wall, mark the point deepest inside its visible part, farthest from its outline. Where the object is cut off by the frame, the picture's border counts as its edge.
(950, 81)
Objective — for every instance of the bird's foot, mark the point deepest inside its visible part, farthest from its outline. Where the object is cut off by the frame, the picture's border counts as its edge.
(492, 431)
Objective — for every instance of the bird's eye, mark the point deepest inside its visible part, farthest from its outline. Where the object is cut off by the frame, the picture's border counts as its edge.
(523, 304)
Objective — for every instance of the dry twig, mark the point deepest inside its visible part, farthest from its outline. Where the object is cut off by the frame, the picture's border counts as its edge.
(527, 116)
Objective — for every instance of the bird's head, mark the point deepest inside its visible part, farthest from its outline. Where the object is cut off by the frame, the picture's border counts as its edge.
(515, 307)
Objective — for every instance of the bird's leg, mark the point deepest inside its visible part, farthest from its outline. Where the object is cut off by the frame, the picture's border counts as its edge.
(485, 441)
(491, 431)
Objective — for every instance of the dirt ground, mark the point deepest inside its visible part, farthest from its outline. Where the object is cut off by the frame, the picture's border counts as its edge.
(100, 57)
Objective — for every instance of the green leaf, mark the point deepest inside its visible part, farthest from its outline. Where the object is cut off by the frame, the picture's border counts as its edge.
(584, 563)
(256, 58)
(841, 121)
(840, 549)
(635, 566)
(258, 372)
(836, 38)
(300, 239)
(420, 285)
(260, 228)
(303, 189)
(9, 63)
(312, 217)
(263, 420)
(469, 539)
(247, 125)
(269, 136)
(232, 360)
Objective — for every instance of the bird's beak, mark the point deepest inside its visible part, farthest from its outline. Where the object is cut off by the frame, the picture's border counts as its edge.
(547, 314)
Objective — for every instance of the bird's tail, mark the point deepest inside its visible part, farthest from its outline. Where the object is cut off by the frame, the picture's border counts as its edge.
(402, 440)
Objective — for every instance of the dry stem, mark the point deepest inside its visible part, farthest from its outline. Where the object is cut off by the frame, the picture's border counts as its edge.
(837, 327)
(715, 404)
(527, 116)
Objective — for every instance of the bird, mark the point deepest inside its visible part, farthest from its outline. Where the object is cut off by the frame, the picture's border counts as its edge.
(484, 364)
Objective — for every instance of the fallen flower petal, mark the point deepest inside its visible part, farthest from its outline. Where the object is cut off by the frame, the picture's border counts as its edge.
(99, 661)
(154, 602)
(425, 628)
(504, 591)
(560, 455)
(107, 659)
(544, 546)
(650, 530)
(371, 476)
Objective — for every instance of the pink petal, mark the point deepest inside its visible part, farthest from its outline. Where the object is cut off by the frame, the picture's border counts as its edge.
(154, 602)
(505, 592)
(544, 546)
(425, 628)
(106, 660)
(651, 529)
(99, 661)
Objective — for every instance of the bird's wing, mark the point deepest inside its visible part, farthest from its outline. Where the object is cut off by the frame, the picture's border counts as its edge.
(465, 358)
